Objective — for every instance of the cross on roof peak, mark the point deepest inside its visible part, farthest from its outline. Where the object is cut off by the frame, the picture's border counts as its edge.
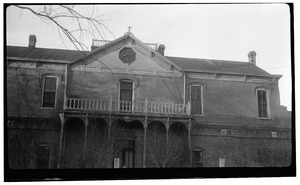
(128, 33)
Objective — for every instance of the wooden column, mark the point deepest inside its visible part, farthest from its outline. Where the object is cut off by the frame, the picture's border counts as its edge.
(62, 122)
(145, 142)
(86, 123)
(167, 130)
(190, 146)
(109, 126)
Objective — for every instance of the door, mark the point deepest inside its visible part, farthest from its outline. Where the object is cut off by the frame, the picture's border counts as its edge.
(127, 158)
(126, 94)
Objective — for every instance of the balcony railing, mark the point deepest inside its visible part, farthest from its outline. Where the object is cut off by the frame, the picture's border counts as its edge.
(126, 106)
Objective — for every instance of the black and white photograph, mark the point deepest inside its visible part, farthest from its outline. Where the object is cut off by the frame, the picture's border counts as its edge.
(148, 91)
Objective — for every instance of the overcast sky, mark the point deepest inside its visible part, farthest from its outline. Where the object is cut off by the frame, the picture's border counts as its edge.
(225, 32)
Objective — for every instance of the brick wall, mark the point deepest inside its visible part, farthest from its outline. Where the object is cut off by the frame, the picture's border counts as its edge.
(234, 101)
(25, 88)
(243, 151)
(84, 84)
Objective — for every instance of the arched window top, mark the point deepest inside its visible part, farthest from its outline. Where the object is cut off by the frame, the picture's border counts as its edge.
(51, 75)
(262, 88)
(198, 148)
(126, 80)
(198, 84)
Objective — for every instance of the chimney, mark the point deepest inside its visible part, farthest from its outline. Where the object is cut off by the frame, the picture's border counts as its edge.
(94, 47)
(32, 41)
(252, 57)
(161, 49)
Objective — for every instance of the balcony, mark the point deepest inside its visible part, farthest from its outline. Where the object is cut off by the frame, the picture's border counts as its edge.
(138, 107)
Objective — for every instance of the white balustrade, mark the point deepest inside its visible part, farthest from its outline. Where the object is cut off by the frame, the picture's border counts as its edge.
(127, 106)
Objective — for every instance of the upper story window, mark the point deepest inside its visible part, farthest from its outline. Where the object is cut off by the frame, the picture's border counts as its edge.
(263, 107)
(196, 100)
(126, 95)
(49, 93)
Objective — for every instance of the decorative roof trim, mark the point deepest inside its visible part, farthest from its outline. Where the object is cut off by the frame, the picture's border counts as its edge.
(230, 73)
(39, 60)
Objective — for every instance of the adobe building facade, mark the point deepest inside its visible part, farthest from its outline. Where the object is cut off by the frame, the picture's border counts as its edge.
(127, 105)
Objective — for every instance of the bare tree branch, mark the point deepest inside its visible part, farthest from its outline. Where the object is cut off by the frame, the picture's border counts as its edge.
(85, 24)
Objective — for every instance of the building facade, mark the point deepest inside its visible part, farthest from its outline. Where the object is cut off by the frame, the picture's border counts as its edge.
(127, 105)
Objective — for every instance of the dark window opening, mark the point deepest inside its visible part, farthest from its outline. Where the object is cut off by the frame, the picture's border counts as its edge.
(49, 92)
(126, 91)
(262, 103)
(43, 157)
(196, 100)
(197, 158)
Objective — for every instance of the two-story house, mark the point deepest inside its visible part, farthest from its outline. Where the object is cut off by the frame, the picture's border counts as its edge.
(125, 104)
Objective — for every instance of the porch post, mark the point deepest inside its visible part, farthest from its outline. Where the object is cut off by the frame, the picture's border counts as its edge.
(86, 123)
(167, 130)
(145, 137)
(62, 122)
(109, 126)
(190, 146)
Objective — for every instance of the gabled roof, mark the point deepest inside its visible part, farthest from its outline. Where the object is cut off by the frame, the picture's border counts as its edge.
(220, 66)
(44, 53)
(186, 64)
(122, 41)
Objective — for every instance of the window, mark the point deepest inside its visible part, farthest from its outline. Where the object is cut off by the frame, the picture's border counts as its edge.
(49, 94)
(274, 134)
(196, 100)
(126, 95)
(262, 98)
(43, 157)
(223, 131)
(197, 158)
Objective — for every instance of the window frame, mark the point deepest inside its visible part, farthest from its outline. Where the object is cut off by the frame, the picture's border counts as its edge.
(202, 110)
(43, 92)
(119, 93)
(202, 158)
(268, 116)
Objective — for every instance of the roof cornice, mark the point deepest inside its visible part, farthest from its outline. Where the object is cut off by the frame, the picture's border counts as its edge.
(39, 60)
(229, 73)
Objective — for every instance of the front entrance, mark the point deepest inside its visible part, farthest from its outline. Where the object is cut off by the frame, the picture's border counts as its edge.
(124, 156)
(127, 158)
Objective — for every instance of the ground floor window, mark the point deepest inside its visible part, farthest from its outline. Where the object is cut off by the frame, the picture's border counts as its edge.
(197, 158)
(43, 157)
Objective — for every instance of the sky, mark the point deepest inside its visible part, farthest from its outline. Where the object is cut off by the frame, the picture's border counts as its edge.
(214, 31)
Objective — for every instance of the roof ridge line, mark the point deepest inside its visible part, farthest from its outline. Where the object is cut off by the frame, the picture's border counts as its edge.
(233, 61)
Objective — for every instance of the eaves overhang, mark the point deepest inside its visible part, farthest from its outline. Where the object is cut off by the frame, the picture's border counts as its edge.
(230, 73)
(39, 60)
